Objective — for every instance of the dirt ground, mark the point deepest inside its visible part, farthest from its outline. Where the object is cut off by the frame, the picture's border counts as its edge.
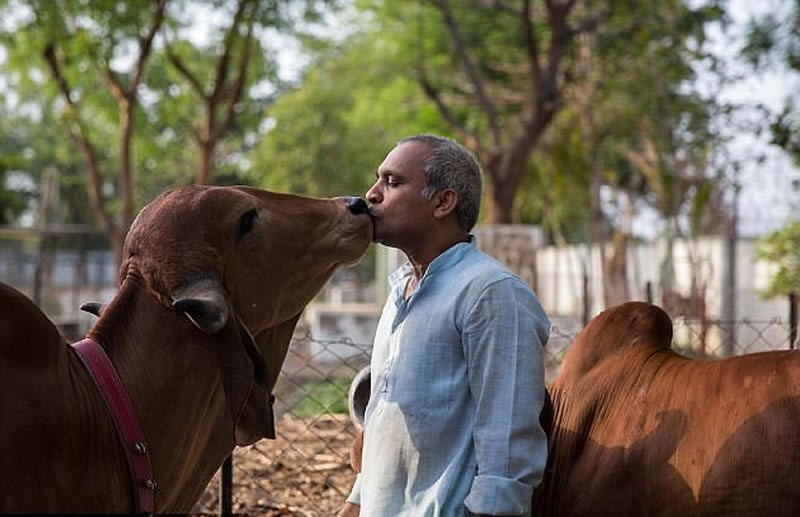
(304, 472)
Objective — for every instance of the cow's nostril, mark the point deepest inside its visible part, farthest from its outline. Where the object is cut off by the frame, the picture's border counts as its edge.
(357, 205)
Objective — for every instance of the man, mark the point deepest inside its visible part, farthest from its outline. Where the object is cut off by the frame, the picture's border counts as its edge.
(457, 379)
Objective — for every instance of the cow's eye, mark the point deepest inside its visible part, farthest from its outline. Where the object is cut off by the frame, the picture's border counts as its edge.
(247, 221)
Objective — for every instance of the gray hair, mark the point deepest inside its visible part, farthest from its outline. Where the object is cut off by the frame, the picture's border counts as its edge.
(452, 166)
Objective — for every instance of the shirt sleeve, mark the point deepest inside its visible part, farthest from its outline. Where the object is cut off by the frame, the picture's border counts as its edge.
(355, 492)
(503, 339)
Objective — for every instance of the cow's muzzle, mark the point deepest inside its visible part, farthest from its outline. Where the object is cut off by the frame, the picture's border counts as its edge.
(356, 205)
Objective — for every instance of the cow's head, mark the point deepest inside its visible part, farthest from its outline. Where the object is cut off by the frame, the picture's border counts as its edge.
(244, 262)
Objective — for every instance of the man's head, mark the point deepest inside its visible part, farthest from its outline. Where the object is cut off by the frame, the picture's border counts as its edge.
(451, 166)
(425, 179)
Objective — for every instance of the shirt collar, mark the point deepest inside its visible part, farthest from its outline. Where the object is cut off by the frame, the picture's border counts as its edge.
(448, 259)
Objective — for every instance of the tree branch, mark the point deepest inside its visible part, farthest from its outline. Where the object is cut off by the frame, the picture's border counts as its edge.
(469, 138)
(234, 93)
(114, 84)
(224, 60)
(531, 43)
(560, 37)
(78, 135)
(182, 69)
(480, 91)
(55, 68)
(146, 43)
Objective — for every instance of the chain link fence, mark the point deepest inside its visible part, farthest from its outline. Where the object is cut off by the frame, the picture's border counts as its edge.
(306, 470)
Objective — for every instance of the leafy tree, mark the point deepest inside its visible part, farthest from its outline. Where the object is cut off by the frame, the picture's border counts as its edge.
(631, 133)
(215, 86)
(773, 39)
(782, 249)
(12, 201)
(28, 147)
(327, 136)
(499, 74)
(496, 72)
(84, 47)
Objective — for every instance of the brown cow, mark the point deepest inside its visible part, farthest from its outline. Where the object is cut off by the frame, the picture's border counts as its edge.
(639, 430)
(212, 283)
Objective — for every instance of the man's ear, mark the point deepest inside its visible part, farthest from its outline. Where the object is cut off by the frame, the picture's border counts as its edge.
(445, 202)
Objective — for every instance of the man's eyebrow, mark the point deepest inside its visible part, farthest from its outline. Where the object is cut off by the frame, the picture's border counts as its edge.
(387, 172)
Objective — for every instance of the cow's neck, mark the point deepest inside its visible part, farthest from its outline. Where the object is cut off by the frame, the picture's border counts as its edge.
(173, 383)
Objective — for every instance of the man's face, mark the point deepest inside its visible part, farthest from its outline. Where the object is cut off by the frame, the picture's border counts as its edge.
(400, 213)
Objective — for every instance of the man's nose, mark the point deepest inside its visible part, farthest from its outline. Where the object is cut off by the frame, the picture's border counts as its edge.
(372, 195)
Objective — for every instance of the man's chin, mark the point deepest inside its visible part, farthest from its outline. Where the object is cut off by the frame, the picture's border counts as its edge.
(377, 236)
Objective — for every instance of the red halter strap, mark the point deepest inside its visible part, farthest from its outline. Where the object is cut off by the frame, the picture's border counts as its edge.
(119, 405)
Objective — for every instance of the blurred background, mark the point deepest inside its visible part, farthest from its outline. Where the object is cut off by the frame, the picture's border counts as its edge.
(643, 149)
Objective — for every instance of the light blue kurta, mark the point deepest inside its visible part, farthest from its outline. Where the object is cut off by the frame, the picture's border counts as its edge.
(452, 424)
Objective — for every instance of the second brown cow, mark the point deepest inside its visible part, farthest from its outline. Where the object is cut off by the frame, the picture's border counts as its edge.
(638, 430)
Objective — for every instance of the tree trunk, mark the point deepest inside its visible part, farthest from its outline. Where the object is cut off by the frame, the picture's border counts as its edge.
(499, 200)
(615, 271)
(125, 176)
(509, 138)
(206, 159)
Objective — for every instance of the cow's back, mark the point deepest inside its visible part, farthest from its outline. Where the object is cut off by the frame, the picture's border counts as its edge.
(26, 334)
(46, 429)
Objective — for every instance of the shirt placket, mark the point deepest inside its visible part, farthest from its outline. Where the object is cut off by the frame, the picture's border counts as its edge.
(394, 340)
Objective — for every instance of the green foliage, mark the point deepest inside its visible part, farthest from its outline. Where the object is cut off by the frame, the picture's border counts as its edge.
(360, 96)
(774, 40)
(554, 193)
(633, 110)
(785, 129)
(782, 249)
(328, 136)
(361, 93)
(13, 201)
(86, 38)
(652, 108)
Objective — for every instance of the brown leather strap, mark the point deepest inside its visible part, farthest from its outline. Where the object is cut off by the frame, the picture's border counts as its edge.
(119, 405)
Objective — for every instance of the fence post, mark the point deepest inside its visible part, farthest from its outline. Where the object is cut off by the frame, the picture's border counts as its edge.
(729, 293)
(586, 301)
(794, 300)
(38, 271)
(226, 487)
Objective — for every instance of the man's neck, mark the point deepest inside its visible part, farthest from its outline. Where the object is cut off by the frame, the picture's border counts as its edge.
(421, 259)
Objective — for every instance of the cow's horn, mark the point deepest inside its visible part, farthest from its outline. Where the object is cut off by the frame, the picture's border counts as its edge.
(203, 301)
(92, 308)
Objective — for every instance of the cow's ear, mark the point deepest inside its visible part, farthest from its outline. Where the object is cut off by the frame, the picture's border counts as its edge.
(244, 380)
(202, 299)
(273, 342)
(256, 420)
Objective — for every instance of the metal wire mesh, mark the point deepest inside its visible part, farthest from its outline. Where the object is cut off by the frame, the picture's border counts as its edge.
(306, 470)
